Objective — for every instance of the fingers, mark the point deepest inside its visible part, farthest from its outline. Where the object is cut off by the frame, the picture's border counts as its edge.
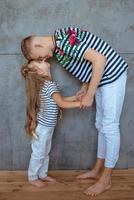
(85, 102)
(80, 105)
(83, 106)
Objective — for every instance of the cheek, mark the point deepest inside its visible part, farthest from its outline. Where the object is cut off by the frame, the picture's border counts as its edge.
(50, 53)
(46, 51)
(39, 71)
(35, 54)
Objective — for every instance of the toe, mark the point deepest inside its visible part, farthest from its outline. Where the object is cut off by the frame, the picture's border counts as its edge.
(87, 192)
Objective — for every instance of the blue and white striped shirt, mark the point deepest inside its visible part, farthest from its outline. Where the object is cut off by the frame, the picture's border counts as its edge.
(48, 111)
(71, 45)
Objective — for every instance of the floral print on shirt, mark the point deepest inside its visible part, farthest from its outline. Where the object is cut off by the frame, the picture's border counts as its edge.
(71, 40)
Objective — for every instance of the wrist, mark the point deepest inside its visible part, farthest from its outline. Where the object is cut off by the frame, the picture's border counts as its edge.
(91, 93)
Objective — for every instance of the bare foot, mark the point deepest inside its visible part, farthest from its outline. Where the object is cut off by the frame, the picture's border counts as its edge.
(38, 183)
(94, 174)
(48, 179)
(98, 188)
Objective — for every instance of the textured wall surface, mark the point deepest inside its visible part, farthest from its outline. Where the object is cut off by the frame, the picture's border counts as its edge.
(75, 137)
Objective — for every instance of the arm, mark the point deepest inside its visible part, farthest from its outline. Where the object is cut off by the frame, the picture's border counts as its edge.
(98, 63)
(63, 103)
(71, 98)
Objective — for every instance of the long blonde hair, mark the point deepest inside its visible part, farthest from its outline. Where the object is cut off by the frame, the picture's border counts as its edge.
(33, 84)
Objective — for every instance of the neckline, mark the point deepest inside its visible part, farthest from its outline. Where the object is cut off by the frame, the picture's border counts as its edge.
(48, 81)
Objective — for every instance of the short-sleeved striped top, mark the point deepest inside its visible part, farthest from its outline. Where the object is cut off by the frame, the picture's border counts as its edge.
(48, 111)
(71, 45)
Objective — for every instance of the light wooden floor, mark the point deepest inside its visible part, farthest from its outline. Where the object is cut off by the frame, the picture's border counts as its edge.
(14, 186)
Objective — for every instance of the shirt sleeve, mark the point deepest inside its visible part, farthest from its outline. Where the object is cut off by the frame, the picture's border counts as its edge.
(52, 88)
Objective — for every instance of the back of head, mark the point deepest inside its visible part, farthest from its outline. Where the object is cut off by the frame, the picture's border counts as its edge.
(26, 46)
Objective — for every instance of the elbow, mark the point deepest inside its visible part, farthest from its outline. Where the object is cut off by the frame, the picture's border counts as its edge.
(103, 59)
(61, 104)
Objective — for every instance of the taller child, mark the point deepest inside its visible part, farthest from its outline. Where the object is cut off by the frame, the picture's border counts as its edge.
(103, 73)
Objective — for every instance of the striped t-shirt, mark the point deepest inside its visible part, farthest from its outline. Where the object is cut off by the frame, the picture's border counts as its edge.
(48, 111)
(71, 45)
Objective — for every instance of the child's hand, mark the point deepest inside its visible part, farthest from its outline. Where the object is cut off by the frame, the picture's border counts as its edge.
(81, 93)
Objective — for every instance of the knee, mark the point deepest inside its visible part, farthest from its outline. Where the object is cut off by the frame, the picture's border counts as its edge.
(38, 155)
(110, 128)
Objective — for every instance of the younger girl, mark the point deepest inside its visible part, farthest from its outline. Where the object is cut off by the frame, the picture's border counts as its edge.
(43, 99)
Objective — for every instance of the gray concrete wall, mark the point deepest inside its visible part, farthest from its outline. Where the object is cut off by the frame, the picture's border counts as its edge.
(75, 138)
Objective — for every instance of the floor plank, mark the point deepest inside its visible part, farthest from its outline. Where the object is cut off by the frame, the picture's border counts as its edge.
(14, 186)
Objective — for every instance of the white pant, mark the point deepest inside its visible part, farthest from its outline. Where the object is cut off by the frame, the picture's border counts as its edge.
(109, 102)
(38, 165)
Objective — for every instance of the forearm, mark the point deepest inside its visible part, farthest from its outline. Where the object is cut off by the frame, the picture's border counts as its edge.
(97, 72)
(69, 104)
(98, 64)
(71, 98)
(62, 103)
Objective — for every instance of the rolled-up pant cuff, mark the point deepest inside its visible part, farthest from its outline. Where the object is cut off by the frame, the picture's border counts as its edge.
(32, 178)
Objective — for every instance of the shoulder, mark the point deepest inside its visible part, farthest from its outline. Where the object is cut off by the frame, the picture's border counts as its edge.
(52, 87)
(60, 33)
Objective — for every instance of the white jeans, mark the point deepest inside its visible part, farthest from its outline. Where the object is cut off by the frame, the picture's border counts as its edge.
(109, 102)
(38, 165)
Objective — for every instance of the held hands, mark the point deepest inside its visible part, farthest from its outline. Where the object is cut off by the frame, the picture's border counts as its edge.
(81, 93)
(85, 98)
(87, 101)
